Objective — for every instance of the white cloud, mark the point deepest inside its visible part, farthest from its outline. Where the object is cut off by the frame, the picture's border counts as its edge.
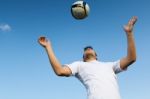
(5, 27)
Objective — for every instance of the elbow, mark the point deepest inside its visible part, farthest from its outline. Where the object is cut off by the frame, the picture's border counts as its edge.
(132, 60)
(60, 73)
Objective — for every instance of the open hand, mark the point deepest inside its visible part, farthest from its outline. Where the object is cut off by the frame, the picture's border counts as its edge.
(43, 41)
(129, 27)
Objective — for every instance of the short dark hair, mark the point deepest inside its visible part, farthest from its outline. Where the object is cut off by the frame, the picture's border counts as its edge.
(87, 47)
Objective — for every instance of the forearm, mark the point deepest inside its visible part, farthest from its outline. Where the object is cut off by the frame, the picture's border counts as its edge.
(131, 51)
(53, 60)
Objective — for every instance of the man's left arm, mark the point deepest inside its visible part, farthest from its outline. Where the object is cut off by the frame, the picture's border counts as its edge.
(131, 50)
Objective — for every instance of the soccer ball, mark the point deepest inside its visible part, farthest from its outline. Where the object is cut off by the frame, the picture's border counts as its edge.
(80, 10)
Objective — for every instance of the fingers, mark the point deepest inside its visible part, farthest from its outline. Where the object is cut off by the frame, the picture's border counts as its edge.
(132, 20)
(44, 41)
(41, 41)
(130, 25)
(42, 38)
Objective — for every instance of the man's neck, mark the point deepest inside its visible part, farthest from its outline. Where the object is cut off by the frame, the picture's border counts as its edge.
(89, 60)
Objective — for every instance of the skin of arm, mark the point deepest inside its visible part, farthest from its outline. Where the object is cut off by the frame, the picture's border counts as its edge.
(131, 49)
(57, 67)
(124, 62)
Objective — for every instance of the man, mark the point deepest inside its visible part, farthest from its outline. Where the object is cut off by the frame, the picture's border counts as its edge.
(98, 77)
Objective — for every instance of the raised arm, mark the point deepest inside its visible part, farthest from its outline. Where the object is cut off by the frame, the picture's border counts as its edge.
(57, 67)
(131, 50)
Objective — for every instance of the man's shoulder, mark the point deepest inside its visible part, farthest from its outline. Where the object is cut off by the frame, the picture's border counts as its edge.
(78, 62)
(109, 61)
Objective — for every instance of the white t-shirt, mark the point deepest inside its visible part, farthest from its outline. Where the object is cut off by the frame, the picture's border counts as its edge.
(99, 78)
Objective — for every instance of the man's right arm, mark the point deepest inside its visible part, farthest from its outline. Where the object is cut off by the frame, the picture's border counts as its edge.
(57, 67)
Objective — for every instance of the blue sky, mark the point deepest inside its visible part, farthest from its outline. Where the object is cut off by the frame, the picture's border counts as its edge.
(25, 72)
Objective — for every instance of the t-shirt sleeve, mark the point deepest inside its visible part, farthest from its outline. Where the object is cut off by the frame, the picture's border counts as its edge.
(74, 67)
(116, 67)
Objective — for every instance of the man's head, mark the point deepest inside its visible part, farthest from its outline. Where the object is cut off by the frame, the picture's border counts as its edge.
(89, 54)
